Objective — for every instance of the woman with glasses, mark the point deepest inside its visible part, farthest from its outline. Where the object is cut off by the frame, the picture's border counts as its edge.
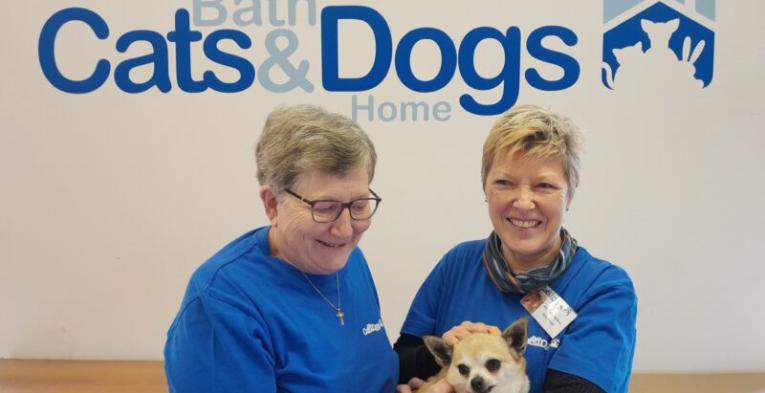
(581, 309)
(292, 307)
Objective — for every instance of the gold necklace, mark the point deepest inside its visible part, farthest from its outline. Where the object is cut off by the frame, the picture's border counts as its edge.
(338, 311)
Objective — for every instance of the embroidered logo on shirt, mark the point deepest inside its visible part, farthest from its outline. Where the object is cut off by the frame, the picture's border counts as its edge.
(372, 327)
(542, 343)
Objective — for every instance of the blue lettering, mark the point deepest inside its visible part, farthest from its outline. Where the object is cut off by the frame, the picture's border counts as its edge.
(404, 57)
(567, 63)
(183, 36)
(158, 57)
(46, 51)
(453, 57)
(310, 4)
(509, 75)
(216, 6)
(254, 12)
(244, 67)
(272, 17)
(369, 107)
(442, 111)
(330, 74)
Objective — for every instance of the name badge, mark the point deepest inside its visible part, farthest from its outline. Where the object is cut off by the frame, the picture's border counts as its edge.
(550, 311)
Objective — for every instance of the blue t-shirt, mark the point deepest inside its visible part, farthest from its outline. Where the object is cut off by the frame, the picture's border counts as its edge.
(252, 323)
(597, 346)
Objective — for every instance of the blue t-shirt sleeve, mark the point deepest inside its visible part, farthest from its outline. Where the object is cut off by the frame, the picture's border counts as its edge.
(600, 343)
(217, 345)
(423, 314)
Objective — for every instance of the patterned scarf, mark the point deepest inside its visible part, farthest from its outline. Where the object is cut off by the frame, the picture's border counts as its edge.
(532, 280)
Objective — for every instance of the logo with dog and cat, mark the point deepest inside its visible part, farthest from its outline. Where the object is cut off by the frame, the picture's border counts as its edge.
(651, 44)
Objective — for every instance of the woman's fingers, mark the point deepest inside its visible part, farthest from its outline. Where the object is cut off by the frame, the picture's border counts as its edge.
(415, 383)
(403, 389)
(459, 332)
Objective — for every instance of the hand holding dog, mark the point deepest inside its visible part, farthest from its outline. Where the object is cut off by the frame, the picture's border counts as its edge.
(415, 383)
(410, 387)
(458, 332)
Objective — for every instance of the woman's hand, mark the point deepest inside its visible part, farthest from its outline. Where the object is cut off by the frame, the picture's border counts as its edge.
(412, 386)
(439, 387)
(458, 332)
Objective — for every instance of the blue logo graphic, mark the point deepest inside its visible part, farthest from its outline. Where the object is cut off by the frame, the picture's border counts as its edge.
(648, 41)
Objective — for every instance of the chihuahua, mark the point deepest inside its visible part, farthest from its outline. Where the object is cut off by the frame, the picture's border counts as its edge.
(483, 362)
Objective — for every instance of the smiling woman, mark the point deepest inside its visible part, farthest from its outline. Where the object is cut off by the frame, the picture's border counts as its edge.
(287, 307)
(530, 169)
(527, 197)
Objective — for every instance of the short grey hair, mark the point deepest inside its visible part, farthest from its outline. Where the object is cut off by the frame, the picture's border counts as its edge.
(300, 138)
(535, 132)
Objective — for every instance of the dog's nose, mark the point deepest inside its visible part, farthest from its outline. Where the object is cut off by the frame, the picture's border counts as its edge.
(477, 384)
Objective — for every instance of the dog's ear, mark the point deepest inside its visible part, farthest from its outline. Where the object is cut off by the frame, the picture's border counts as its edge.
(517, 334)
(439, 349)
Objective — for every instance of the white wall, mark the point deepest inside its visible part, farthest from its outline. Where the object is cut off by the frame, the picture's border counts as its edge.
(110, 200)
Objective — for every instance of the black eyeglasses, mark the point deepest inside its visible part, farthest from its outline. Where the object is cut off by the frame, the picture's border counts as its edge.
(326, 211)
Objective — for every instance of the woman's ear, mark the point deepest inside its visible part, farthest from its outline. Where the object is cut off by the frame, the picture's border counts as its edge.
(270, 202)
(569, 198)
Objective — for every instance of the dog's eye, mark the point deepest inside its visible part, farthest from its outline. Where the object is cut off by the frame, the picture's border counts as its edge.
(464, 370)
(493, 365)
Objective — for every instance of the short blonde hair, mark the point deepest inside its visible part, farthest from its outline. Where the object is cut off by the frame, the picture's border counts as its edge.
(534, 132)
(300, 138)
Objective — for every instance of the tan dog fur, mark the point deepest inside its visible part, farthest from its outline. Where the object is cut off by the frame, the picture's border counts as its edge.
(483, 362)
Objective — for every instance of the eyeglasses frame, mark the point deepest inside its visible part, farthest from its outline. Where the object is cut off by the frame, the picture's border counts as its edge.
(344, 205)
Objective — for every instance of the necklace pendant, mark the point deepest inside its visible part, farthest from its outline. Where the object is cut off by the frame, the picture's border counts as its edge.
(340, 316)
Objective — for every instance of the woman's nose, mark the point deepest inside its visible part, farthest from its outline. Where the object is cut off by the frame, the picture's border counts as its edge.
(524, 200)
(343, 226)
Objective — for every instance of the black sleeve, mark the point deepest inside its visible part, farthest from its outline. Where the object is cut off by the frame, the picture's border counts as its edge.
(414, 359)
(560, 382)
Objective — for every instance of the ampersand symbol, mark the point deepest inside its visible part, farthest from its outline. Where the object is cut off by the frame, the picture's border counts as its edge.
(280, 58)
